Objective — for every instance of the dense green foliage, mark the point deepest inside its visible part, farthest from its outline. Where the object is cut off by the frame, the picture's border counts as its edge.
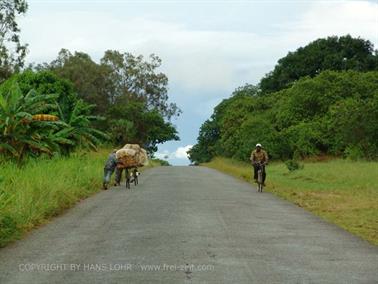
(19, 133)
(28, 94)
(161, 162)
(127, 117)
(334, 113)
(12, 52)
(332, 53)
(127, 90)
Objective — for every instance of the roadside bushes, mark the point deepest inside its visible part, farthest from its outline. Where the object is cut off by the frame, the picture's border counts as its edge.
(319, 99)
(248, 136)
(334, 113)
(354, 124)
(292, 165)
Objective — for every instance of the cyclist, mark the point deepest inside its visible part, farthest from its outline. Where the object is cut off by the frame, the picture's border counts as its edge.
(259, 157)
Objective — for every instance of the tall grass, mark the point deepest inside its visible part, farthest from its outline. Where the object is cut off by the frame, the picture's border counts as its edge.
(340, 191)
(43, 188)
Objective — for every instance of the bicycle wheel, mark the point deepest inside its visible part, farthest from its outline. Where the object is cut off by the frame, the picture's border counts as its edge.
(259, 180)
(128, 183)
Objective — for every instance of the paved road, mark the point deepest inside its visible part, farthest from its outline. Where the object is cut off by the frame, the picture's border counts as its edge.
(188, 225)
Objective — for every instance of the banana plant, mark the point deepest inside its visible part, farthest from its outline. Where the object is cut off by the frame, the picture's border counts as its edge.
(18, 132)
(79, 128)
(25, 129)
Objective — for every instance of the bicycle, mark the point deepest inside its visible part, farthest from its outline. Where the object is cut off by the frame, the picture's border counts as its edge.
(132, 177)
(135, 173)
(260, 181)
(128, 178)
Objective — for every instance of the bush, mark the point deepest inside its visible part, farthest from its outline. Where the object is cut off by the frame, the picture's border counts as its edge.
(162, 162)
(293, 165)
(353, 153)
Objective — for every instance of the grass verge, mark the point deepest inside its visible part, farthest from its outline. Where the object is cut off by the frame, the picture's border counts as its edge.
(340, 191)
(43, 188)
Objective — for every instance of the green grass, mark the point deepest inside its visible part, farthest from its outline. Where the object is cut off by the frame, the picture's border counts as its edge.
(341, 191)
(43, 188)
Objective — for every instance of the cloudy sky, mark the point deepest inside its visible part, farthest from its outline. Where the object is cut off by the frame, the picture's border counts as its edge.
(208, 48)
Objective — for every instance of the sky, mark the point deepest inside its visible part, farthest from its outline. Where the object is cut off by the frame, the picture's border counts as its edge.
(208, 48)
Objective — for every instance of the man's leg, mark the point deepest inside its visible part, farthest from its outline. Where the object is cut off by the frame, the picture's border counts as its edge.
(127, 174)
(255, 169)
(107, 175)
(118, 176)
(263, 174)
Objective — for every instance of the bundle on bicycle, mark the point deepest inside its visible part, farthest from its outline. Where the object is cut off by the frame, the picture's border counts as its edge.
(129, 159)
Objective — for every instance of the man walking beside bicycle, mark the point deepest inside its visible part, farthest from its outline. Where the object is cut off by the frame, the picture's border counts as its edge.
(259, 158)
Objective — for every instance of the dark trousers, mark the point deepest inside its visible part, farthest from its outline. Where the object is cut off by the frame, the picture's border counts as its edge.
(256, 169)
(118, 176)
(119, 172)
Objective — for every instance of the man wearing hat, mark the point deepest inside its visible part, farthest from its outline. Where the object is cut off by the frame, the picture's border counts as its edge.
(259, 156)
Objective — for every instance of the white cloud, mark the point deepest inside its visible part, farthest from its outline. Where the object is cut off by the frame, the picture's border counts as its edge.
(322, 19)
(181, 152)
(197, 60)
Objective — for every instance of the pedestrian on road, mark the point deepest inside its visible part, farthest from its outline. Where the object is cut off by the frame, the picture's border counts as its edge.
(259, 157)
(109, 168)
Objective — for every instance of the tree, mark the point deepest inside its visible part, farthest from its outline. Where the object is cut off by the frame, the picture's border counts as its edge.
(135, 79)
(353, 123)
(333, 113)
(206, 147)
(12, 52)
(327, 114)
(89, 79)
(332, 53)
(217, 136)
(132, 122)
(126, 89)
(311, 98)
(46, 82)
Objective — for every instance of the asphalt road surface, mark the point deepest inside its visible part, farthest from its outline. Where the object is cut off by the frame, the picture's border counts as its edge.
(188, 225)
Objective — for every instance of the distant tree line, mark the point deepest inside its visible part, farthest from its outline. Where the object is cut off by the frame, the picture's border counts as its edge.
(320, 99)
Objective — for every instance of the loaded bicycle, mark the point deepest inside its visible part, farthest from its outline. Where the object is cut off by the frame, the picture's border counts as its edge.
(130, 158)
(131, 174)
